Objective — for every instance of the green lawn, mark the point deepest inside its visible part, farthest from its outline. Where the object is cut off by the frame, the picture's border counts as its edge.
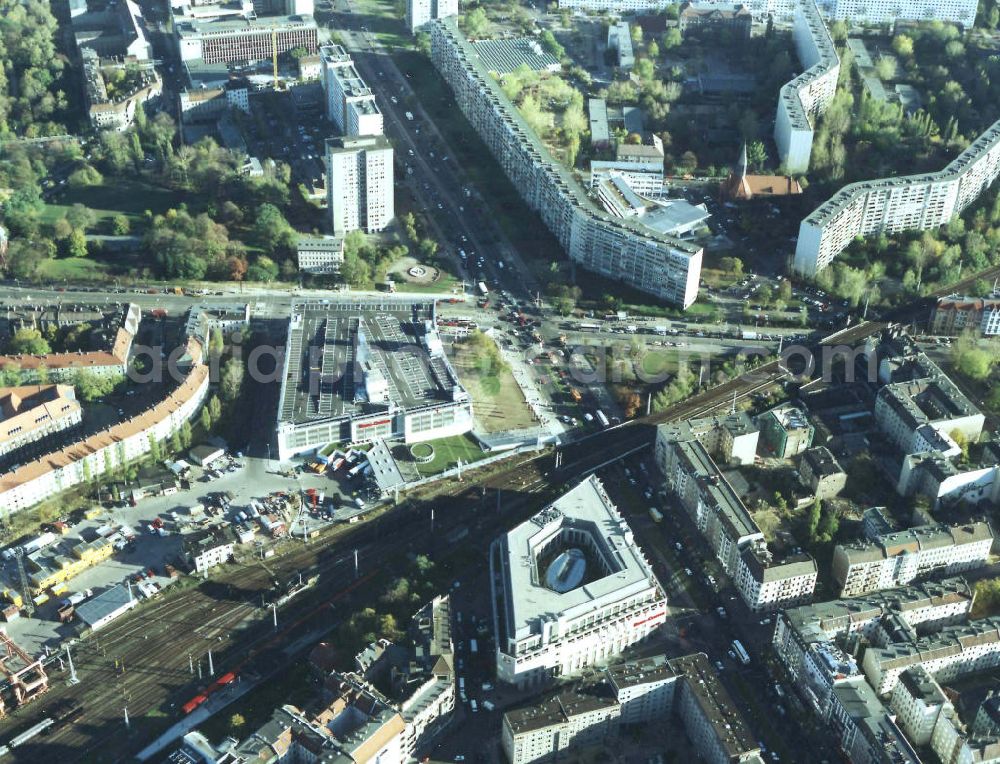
(447, 452)
(446, 283)
(656, 362)
(384, 20)
(72, 269)
(498, 400)
(129, 197)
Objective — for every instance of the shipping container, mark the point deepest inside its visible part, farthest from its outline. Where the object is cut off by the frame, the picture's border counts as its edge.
(39, 542)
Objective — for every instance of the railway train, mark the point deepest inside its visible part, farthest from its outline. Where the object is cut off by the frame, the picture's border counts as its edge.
(62, 714)
(218, 684)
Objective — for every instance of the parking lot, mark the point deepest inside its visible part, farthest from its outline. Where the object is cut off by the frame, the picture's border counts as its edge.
(254, 480)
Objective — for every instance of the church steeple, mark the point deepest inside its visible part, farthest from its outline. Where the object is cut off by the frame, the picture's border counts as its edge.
(740, 171)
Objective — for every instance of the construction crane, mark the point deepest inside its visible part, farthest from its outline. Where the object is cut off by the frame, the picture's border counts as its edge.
(29, 604)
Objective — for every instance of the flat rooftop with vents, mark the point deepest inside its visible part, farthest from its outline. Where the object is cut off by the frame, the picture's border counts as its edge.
(360, 370)
(563, 577)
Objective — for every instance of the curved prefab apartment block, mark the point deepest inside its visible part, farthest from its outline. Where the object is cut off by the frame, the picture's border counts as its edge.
(893, 205)
(624, 250)
(805, 97)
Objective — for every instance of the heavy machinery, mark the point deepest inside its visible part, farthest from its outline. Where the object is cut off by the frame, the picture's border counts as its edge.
(24, 678)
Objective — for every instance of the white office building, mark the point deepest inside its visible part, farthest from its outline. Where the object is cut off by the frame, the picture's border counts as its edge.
(419, 12)
(805, 97)
(618, 249)
(349, 102)
(893, 205)
(359, 184)
(571, 588)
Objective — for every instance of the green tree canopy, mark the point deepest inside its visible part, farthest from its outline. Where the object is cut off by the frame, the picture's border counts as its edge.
(28, 341)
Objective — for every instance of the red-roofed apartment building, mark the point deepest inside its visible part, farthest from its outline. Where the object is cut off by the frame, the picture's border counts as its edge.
(955, 314)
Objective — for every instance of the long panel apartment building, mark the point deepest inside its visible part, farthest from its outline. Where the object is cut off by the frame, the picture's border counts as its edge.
(875, 12)
(620, 249)
(350, 103)
(805, 97)
(893, 205)
(868, 12)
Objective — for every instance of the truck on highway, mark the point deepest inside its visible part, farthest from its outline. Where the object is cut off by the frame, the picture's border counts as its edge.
(602, 418)
(473, 646)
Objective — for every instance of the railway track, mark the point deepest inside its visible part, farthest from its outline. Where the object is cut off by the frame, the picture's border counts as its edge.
(142, 660)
